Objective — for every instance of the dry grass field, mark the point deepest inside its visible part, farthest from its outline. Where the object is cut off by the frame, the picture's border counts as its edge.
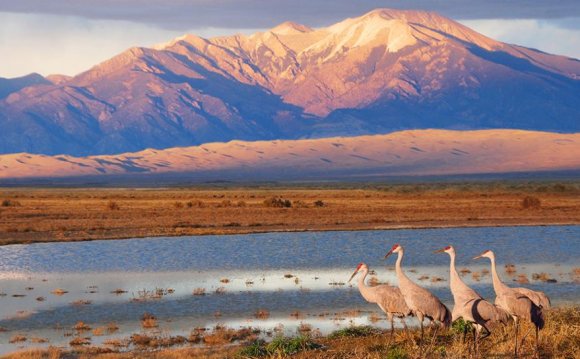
(560, 338)
(34, 215)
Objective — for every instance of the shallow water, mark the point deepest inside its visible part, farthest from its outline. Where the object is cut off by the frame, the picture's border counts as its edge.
(256, 266)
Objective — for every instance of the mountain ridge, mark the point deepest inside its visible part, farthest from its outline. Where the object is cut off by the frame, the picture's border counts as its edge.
(384, 71)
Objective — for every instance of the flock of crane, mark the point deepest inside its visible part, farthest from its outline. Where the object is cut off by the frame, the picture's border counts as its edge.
(410, 299)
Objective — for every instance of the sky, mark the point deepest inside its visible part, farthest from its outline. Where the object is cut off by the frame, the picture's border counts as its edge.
(70, 36)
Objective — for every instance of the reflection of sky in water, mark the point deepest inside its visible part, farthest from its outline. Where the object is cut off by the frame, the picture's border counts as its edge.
(292, 250)
(317, 259)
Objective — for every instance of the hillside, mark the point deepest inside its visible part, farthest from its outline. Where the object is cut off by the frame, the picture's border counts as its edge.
(418, 152)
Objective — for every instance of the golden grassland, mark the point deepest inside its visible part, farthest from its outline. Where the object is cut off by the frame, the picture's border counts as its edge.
(560, 338)
(34, 215)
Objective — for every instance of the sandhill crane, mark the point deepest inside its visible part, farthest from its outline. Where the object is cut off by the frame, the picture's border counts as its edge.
(516, 303)
(469, 305)
(387, 297)
(423, 303)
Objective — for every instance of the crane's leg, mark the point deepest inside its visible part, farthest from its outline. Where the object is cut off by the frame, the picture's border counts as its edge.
(475, 344)
(392, 320)
(404, 323)
(516, 338)
(537, 342)
(464, 333)
(487, 332)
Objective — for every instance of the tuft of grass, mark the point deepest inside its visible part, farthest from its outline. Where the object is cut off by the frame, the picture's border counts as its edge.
(113, 206)
(510, 268)
(81, 302)
(81, 326)
(353, 332)
(80, 341)
(397, 353)
(10, 203)
(112, 327)
(199, 291)
(220, 291)
(256, 349)
(460, 326)
(282, 346)
(522, 279)
(59, 291)
(17, 338)
(531, 202)
(277, 202)
(319, 203)
(262, 314)
(148, 321)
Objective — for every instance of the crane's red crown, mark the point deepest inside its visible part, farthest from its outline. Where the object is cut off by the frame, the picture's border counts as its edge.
(447, 248)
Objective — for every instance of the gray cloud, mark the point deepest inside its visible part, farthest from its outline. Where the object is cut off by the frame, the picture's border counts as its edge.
(188, 14)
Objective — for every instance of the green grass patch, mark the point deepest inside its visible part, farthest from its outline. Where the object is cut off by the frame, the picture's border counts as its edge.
(279, 346)
(351, 332)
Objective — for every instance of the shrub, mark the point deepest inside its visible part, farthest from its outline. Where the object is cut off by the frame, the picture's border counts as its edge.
(531, 202)
(195, 203)
(113, 206)
(178, 205)
(277, 202)
(10, 203)
(319, 203)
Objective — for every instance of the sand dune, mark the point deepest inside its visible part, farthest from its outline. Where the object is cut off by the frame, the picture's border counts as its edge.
(417, 152)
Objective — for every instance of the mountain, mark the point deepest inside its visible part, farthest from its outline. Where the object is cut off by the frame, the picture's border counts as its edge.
(416, 152)
(8, 86)
(385, 71)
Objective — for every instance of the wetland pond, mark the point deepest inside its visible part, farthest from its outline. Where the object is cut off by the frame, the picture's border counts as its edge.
(276, 282)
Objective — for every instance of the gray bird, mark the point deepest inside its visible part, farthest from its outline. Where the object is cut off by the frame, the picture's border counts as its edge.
(517, 303)
(387, 297)
(471, 306)
(423, 303)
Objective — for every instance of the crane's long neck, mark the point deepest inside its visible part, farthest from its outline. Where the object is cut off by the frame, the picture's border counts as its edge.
(398, 270)
(498, 285)
(453, 276)
(458, 287)
(365, 291)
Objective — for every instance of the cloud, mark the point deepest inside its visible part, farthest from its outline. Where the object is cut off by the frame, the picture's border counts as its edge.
(547, 36)
(69, 44)
(187, 14)
(49, 44)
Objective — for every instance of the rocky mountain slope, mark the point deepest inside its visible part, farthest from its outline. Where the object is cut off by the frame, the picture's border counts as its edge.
(8, 86)
(417, 152)
(384, 71)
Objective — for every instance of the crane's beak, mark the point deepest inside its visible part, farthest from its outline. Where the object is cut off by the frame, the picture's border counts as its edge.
(388, 254)
(439, 251)
(352, 276)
